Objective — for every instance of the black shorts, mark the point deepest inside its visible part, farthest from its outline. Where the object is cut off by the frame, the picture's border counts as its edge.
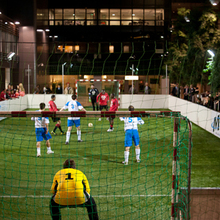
(103, 106)
(55, 119)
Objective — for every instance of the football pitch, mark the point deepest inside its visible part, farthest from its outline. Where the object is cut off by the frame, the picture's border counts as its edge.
(137, 191)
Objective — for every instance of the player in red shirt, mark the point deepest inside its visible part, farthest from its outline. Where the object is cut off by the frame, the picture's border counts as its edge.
(103, 99)
(53, 108)
(113, 108)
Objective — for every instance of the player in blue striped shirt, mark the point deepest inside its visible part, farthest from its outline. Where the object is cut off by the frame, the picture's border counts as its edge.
(131, 133)
(73, 105)
(42, 132)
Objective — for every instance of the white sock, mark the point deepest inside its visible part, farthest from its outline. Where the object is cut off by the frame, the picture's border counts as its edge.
(67, 136)
(126, 154)
(38, 150)
(79, 134)
(48, 148)
(138, 152)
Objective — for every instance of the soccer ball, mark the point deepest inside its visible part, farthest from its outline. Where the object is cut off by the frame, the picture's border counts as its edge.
(90, 125)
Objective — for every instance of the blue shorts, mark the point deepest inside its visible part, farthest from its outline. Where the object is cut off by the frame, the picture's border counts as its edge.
(41, 134)
(131, 135)
(70, 123)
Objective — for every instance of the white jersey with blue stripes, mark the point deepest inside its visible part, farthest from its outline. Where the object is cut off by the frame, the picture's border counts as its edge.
(40, 122)
(73, 105)
(131, 123)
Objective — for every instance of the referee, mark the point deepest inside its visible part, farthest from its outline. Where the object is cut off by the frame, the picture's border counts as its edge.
(71, 189)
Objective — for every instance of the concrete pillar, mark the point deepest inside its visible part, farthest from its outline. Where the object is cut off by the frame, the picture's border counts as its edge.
(7, 77)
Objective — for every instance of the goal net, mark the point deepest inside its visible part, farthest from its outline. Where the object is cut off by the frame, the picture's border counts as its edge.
(83, 87)
(146, 190)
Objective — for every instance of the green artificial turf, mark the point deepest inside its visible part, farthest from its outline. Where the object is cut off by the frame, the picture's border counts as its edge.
(136, 191)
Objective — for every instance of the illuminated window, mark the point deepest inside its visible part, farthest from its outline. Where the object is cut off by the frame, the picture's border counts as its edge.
(80, 14)
(68, 49)
(58, 14)
(114, 14)
(42, 14)
(126, 17)
(159, 17)
(126, 14)
(104, 16)
(69, 14)
(60, 48)
(126, 49)
(91, 17)
(159, 14)
(111, 49)
(51, 16)
(76, 47)
(58, 22)
(51, 22)
(137, 16)
(149, 17)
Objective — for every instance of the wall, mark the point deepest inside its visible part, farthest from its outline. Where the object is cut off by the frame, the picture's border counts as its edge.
(14, 105)
(145, 101)
(34, 100)
(200, 115)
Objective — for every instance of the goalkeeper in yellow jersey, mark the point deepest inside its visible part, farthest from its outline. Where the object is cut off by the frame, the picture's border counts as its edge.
(71, 189)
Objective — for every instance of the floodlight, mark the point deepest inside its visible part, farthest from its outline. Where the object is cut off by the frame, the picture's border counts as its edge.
(10, 55)
(214, 2)
(211, 53)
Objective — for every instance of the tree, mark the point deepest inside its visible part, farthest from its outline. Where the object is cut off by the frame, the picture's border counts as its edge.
(194, 33)
(213, 67)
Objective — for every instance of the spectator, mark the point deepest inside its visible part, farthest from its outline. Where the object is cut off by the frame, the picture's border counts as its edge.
(147, 89)
(37, 89)
(10, 88)
(186, 92)
(13, 94)
(3, 95)
(46, 90)
(199, 101)
(68, 89)
(191, 93)
(17, 94)
(59, 90)
(217, 102)
(176, 90)
(8, 96)
(207, 93)
(17, 88)
(209, 102)
(21, 90)
(196, 90)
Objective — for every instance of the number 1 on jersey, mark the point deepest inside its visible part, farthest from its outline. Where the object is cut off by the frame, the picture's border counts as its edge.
(69, 176)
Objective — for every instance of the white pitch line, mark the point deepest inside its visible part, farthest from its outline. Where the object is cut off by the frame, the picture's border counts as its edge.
(46, 196)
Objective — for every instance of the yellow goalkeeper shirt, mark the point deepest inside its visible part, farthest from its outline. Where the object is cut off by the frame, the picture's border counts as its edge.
(70, 187)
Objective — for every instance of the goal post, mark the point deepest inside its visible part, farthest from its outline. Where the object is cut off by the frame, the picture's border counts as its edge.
(147, 190)
(82, 87)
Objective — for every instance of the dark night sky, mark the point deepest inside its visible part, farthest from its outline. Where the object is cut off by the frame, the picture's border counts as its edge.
(18, 10)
